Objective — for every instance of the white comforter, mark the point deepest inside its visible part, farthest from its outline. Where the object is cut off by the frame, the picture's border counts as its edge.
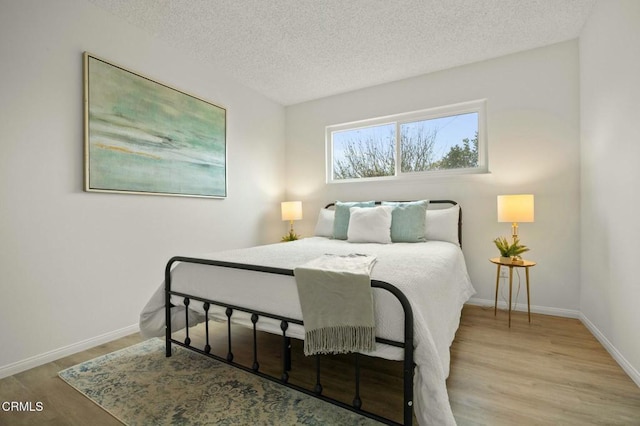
(432, 275)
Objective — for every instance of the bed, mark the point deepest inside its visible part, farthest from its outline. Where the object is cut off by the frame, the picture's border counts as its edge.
(417, 306)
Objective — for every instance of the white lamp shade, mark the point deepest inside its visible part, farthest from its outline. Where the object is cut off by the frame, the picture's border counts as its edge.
(515, 208)
(291, 210)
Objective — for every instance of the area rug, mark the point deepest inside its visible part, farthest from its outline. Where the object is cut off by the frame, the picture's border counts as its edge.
(138, 385)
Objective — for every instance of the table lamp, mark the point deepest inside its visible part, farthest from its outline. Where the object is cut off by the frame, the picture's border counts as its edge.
(514, 209)
(291, 210)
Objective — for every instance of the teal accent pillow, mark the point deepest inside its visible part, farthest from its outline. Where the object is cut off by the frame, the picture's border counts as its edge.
(408, 221)
(341, 218)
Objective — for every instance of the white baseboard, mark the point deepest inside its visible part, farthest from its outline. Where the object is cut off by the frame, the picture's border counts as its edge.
(545, 310)
(38, 360)
(621, 360)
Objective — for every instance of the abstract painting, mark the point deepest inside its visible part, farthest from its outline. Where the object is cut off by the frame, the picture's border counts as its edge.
(142, 136)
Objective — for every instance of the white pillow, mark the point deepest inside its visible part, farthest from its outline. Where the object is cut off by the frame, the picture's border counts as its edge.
(442, 224)
(324, 226)
(370, 225)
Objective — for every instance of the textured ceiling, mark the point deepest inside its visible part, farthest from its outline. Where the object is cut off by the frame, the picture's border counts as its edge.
(298, 50)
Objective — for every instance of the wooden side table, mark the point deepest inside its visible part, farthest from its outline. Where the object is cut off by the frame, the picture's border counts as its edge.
(526, 264)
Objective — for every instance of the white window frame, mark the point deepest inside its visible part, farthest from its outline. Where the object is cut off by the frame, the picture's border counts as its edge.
(477, 106)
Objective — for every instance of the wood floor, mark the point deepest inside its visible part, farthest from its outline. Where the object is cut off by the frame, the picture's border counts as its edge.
(549, 372)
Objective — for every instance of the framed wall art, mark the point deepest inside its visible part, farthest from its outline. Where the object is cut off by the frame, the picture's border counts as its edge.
(144, 137)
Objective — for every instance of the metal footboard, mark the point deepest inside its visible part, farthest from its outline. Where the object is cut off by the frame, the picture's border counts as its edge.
(356, 406)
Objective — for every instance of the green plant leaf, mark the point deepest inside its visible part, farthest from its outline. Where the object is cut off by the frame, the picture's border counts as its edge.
(509, 250)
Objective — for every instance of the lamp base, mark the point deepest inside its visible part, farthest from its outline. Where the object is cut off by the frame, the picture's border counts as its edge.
(513, 260)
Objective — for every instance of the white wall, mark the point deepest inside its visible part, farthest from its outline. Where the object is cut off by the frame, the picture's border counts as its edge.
(77, 265)
(610, 119)
(533, 133)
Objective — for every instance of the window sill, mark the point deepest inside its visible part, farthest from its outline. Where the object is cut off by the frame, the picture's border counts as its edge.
(424, 176)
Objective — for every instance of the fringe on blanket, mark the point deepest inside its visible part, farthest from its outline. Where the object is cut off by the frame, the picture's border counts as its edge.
(339, 339)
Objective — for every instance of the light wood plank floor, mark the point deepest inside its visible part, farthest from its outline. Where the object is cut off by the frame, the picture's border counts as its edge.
(549, 372)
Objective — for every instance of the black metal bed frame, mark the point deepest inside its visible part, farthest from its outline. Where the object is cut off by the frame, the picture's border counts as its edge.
(406, 345)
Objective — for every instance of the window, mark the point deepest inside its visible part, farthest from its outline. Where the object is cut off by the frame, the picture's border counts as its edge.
(437, 141)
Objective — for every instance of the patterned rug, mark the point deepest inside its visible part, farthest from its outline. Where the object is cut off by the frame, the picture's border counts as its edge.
(138, 385)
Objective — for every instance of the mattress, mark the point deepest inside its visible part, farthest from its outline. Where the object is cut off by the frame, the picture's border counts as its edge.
(431, 274)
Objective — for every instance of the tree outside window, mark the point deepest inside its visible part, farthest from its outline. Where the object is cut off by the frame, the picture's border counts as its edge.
(447, 142)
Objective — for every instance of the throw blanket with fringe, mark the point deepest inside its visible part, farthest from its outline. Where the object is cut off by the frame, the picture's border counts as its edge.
(337, 303)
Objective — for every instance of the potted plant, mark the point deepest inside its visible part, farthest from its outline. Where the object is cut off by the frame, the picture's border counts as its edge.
(291, 236)
(510, 252)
